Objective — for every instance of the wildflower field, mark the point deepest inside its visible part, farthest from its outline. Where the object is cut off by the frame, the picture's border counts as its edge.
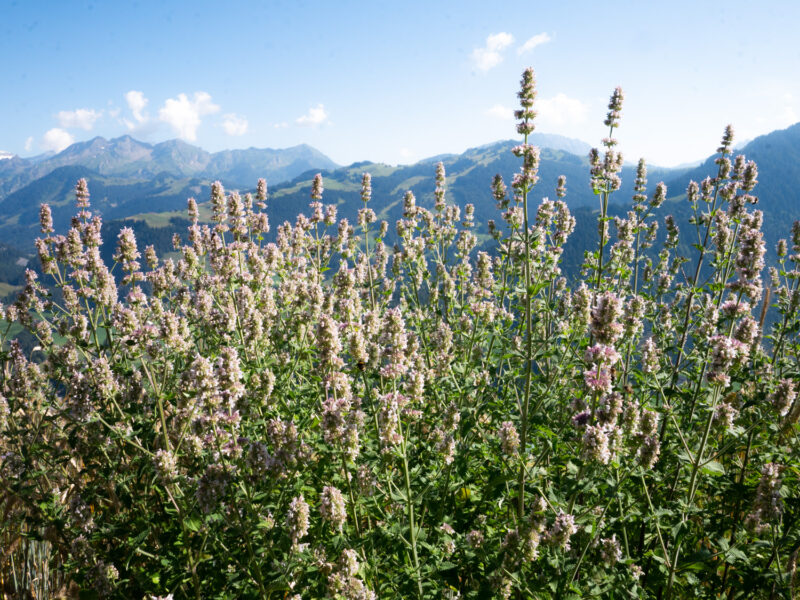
(337, 415)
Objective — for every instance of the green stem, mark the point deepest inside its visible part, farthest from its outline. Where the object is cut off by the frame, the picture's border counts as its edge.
(411, 520)
(528, 357)
(698, 460)
(612, 497)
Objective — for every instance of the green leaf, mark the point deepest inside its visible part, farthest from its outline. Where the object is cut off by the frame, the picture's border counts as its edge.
(713, 468)
(734, 554)
(193, 524)
(697, 560)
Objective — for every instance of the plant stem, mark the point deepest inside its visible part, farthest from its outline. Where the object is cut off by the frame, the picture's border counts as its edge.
(528, 357)
(698, 460)
(411, 523)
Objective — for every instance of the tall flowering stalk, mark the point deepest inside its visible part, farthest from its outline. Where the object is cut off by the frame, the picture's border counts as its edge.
(605, 178)
(523, 184)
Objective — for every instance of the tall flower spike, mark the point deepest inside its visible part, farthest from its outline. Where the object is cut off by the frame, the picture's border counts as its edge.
(561, 186)
(332, 507)
(659, 195)
(218, 203)
(692, 192)
(614, 108)
(297, 518)
(261, 194)
(46, 219)
(727, 141)
(750, 178)
(640, 186)
(261, 190)
(366, 188)
(316, 187)
(527, 94)
(499, 192)
(126, 248)
(528, 175)
(440, 189)
(194, 214)
(82, 194)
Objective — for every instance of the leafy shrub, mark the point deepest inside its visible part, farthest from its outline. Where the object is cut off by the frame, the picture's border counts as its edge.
(325, 416)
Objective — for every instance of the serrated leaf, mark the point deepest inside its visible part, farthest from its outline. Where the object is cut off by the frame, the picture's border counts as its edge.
(192, 524)
(734, 554)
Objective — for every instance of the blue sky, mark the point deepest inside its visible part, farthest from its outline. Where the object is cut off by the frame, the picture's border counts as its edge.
(394, 81)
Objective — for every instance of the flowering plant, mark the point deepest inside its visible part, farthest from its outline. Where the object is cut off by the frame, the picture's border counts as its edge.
(327, 416)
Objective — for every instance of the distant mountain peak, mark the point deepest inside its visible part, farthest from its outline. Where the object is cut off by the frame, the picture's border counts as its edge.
(125, 157)
(550, 141)
(5, 155)
(176, 142)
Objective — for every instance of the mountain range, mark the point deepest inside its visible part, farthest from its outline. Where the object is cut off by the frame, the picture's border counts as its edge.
(146, 186)
(127, 177)
(130, 159)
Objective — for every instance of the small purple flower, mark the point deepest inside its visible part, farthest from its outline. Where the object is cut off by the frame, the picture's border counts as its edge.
(610, 550)
(316, 187)
(768, 505)
(605, 325)
(596, 444)
(297, 521)
(582, 418)
(598, 379)
(562, 529)
(332, 507)
(783, 397)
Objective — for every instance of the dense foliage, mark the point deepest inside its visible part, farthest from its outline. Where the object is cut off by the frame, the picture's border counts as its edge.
(326, 416)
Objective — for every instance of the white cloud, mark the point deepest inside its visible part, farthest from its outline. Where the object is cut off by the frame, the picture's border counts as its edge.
(234, 124)
(281, 125)
(498, 111)
(137, 103)
(56, 140)
(183, 115)
(537, 40)
(560, 110)
(314, 116)
(82, 118)
(29, 144)
(491, 54)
